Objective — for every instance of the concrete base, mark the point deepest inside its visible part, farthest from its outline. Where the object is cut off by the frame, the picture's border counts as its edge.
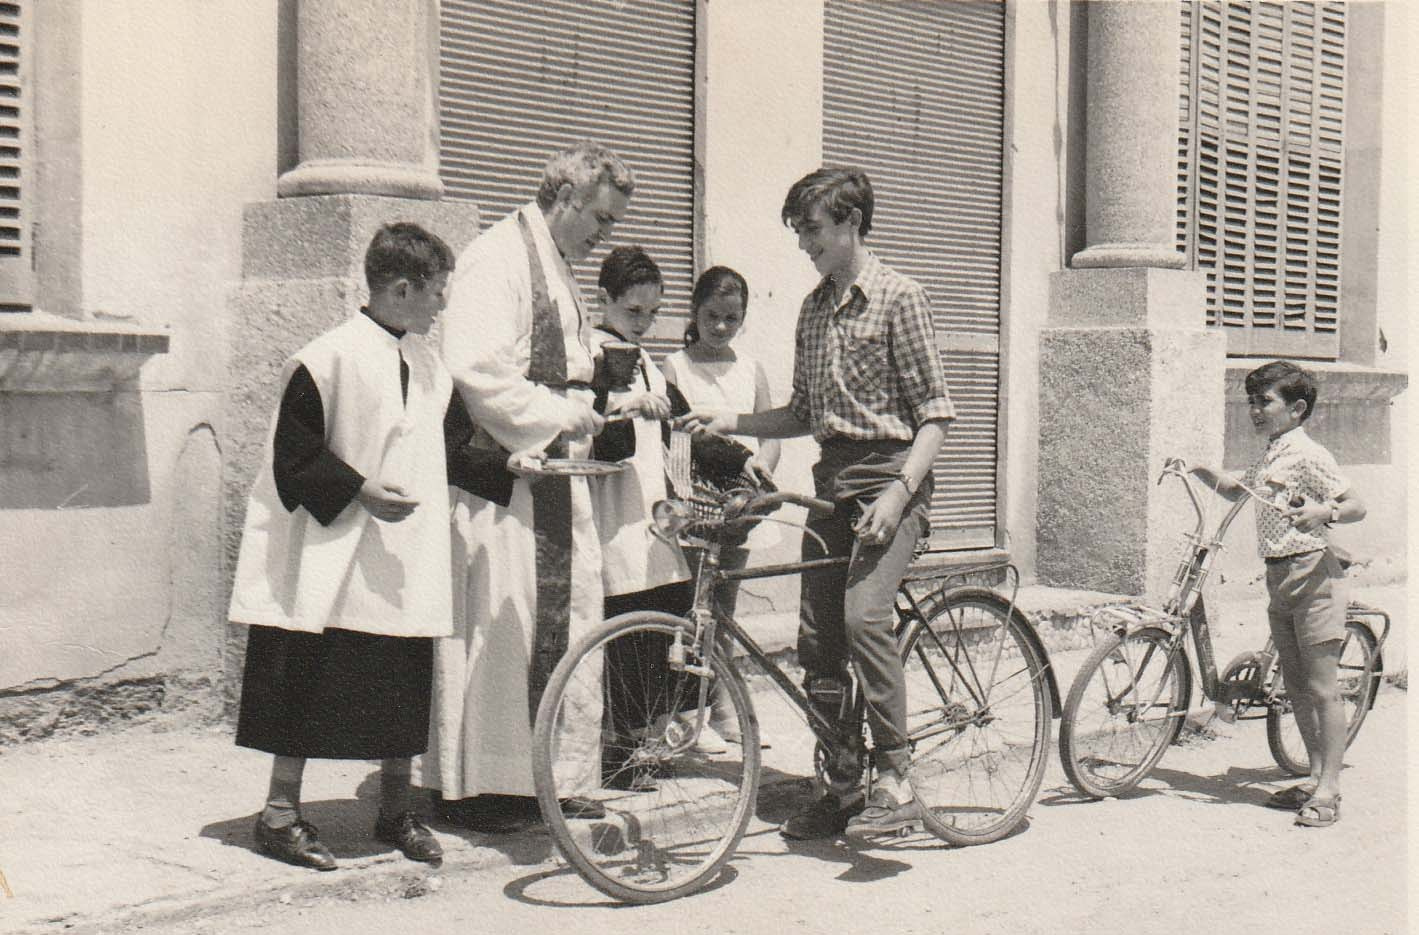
(1125, 382)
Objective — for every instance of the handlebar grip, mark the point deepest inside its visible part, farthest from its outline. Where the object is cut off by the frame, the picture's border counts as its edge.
(770, 500)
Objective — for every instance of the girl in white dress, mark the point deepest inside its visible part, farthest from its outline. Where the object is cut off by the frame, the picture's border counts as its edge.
(711, 374)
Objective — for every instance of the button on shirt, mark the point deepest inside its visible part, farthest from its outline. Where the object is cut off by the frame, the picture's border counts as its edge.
(1299, 465)
(868, 368)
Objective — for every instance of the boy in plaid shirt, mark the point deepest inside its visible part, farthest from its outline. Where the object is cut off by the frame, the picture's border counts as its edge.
(869, 386)
(1304, 576)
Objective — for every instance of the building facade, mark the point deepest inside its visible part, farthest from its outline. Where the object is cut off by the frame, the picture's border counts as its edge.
(1117, 209)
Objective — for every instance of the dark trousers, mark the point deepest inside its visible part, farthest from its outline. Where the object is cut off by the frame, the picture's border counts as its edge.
(846, 614)
(636, 675)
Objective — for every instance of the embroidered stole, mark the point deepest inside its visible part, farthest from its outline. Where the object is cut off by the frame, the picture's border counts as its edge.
(551, 496)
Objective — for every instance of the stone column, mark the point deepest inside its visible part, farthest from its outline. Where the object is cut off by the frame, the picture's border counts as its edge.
(367, 122)
(367, 86)
(1132, 135)
(1129, 372)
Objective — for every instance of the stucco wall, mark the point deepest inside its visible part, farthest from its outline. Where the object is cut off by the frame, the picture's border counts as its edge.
(178, 131)
(763, 120)
(1044, 162)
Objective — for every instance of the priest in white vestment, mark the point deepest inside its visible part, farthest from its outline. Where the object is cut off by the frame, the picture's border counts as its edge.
(515, 342)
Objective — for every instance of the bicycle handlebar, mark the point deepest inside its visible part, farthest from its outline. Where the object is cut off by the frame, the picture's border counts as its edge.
(769, 501)
(1178, 468)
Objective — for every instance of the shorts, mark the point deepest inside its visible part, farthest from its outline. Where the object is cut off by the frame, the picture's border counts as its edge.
(1309, 593)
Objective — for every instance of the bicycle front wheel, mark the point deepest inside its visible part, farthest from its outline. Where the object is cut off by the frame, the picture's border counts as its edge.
(978, 717)
(1126, 705)
(1359, 679)
(631, 804)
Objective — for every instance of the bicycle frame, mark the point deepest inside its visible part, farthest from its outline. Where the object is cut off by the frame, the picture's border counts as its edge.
(1185, 611)
(708, 617)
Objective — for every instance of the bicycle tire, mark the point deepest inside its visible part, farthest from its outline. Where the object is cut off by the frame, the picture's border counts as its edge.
(1357, 693)
(980, 716)
(664, 836)
(1105, 748)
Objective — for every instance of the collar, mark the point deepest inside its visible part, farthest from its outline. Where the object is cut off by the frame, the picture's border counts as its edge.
(1289, 436)
(614, 333)
(393, 332)
(862, 282)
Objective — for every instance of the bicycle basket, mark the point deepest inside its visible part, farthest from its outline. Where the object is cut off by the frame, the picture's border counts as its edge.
(704, 470)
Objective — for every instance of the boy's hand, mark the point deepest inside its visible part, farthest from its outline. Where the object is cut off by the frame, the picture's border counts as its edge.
(758, 470)
(879, 521)
(645, 404)
(387, 503)
(708, 420)
(1309, 516)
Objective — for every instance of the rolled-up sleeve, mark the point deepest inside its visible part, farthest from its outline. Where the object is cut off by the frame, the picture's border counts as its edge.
(916, 360)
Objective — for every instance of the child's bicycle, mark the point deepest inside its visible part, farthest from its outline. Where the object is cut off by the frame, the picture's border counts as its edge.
(663, 819)
(1130, 697)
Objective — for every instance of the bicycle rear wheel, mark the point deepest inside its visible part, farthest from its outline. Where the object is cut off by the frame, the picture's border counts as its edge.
(630, 804)
(1126, 705)
(1359, 681)
(979, 716)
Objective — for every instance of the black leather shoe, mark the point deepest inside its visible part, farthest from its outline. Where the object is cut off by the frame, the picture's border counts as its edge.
(406, 832)
(825, 817)
(297, 844)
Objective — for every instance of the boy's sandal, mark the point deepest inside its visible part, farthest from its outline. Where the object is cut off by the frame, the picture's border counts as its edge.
(1319, 813)
(1291, 798)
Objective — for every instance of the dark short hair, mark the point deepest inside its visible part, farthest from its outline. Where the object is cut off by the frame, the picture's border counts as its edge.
(839, 190)
(583, 164)
(405, 251)
(1290, 382)
(627, 267)
(717, 280)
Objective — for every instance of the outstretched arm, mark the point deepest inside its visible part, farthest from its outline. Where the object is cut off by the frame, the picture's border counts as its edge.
(1224, 483)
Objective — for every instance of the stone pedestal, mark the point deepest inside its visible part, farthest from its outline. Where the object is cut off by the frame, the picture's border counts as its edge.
(1129, 376)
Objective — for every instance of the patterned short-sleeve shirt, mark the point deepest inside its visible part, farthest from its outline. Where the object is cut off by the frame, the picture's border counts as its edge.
(868, 368)
(1294, 464)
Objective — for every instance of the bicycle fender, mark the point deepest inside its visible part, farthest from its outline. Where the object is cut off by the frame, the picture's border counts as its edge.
(1056, 705)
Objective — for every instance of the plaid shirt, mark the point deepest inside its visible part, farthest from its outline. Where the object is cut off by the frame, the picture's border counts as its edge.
(868, 369)
(1298, 465)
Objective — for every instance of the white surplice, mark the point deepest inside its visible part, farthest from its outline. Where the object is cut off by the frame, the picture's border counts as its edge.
(481, 738)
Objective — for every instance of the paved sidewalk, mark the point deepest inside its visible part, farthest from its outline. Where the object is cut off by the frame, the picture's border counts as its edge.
(150, 823)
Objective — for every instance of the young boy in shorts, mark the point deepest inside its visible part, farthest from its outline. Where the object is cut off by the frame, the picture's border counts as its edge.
(1304, 577)
(344, 570)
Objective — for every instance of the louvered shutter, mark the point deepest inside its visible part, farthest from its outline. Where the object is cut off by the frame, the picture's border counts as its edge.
(16, 159)
(914, 95)
(1259, 204)
(519, 80)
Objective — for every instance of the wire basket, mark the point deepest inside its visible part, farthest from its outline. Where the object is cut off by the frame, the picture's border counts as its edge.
(703, 475)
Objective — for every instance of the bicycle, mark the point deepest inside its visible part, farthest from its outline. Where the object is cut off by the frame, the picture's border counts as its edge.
(1129, 699)
(978, 677)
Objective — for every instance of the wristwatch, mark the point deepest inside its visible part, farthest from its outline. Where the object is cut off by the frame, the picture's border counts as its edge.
(906, 480)
(1334, 513)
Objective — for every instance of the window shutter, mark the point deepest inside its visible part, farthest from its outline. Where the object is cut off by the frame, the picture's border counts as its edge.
(16, 159)
(519, 80)
(914, 95)
(1259, 203)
